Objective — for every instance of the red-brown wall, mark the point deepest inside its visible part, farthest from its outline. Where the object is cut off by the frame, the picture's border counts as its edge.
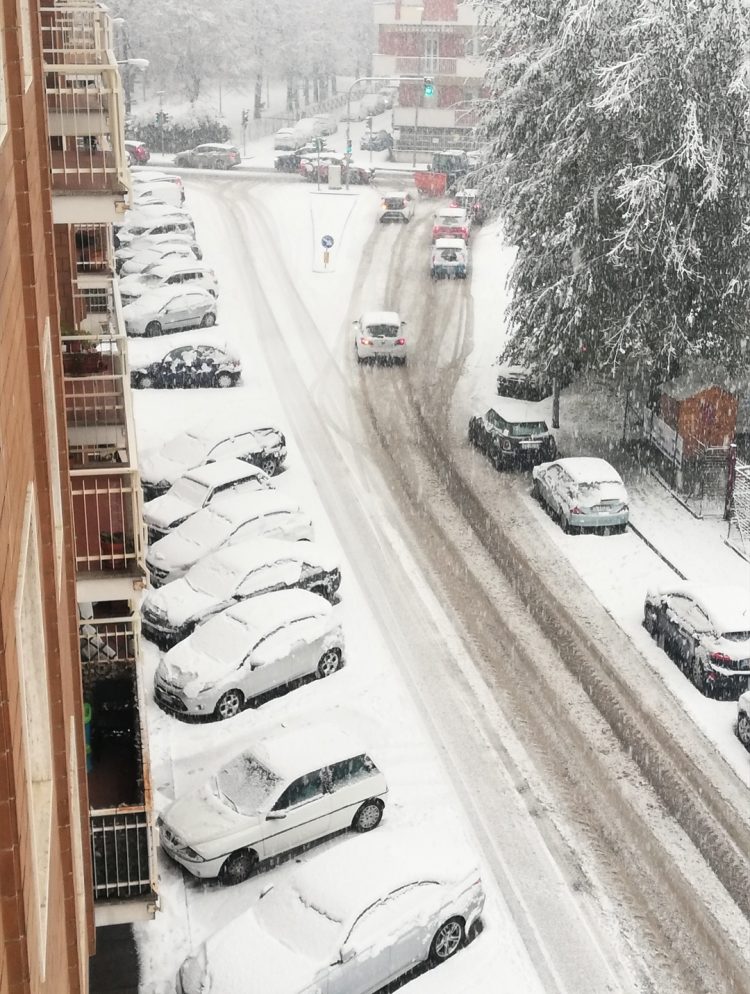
(27, 300)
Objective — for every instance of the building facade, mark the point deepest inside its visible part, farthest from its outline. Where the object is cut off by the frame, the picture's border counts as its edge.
(438, 39)
(76, 831)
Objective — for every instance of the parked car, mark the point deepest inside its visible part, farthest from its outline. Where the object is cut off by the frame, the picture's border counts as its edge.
(379, 335)
(308, 128)
(154, 244)
(310, 170)
(147, 214)
(469, 200)
(347, 921)
(287, 139)
(144, 260)
(166, 309)
(264, 447)
(211, 155)
(522, 382)
(146, 230)
(449, 259)
(244, 652)
(175, 273)
(743, 719)
(138, 152)
(226, 521)
(233, 574)
(706, 630)
(188, 366)
(512, 434)
(158, 192)
(139, 175)
(285, 791)
(397, 206)
(325, 124)
(376, 141)
(584, 493)
(389, 95)
(451, 222)
(198, 488)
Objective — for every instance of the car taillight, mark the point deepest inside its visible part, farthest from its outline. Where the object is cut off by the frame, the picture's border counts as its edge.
(365, 341)
(576, 510)
(400, 341)
(720, 657)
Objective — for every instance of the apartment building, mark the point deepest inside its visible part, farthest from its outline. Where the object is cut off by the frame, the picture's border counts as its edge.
(440, 39)
(76, 827)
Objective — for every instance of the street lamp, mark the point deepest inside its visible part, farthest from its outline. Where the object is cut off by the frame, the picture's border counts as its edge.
(140, 64)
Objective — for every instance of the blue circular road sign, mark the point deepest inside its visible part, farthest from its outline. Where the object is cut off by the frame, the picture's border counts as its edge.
(327, 241)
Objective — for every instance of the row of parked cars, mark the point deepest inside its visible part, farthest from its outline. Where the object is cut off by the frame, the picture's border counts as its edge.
(704, 629)
(243, 605)
(166, 287)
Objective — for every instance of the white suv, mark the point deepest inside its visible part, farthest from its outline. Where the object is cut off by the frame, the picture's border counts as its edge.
(292, 788)
(171, 273)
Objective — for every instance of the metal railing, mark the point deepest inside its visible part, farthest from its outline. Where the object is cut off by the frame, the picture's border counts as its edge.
(122, 853)
(94, 249)
(107, 517)
(97, 412)
(84, 100)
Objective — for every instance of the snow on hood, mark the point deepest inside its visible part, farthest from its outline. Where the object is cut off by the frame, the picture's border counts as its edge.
(178, 602)
(163, 510)
(259, 552)
(181, 453)
(590, 470)
(203, 532)
(200, 816)
(727, 606)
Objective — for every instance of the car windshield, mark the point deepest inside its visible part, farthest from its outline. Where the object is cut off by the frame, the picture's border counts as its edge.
(186, 449)
(150, 278)
(245, 785)
(736, 636)
(137, 231)
(382, 330)
(204, 528)
(394, 203)
(523, 429)
(213, 578)
(190, 491)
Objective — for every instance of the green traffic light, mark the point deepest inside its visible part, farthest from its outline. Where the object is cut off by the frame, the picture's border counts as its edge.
(429, 89)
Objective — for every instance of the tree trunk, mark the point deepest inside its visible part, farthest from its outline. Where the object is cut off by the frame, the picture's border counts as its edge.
(290, 93)
(316, 89)
(556, 403)
(306, 89)
(334, 91)
(258, 104)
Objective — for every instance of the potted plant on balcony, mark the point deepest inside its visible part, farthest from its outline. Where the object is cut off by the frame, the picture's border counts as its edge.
(80, 358)
(115, 546)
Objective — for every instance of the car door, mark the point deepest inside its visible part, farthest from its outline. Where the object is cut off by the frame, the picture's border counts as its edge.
(350, 783)
(301, 815)
(684, 622)
(203, 366)
(272, 662)
(174, 314)
(173, 366)
(365, 961)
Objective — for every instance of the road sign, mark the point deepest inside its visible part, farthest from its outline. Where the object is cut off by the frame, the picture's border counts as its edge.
(327, 241)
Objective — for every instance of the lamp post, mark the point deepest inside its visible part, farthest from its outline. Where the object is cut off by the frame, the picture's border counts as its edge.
(160, 95)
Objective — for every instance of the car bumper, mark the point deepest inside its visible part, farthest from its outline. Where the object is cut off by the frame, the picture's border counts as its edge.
(152, 490)
(155, 532)
(164, 636)
(728, 681)
(394, 216)
(455, 272)
(175, 701)
(205, 869)
(593, 521)
(381, 355)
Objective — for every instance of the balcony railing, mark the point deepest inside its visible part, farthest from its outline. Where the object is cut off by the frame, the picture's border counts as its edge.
(464, 67)
(84, 101)
(95, 377)
(107, 518)
(121, 817)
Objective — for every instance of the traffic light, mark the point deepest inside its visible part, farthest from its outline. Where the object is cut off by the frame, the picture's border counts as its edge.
(348, 146)
(429, 86)
(245, 118)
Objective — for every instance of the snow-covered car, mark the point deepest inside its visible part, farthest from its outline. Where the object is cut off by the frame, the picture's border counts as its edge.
(347, 921)
(149, 213)
(138, 151)
(311, 170)
(146, 229)
(158, 192)
(397, 206)
(449, 259)
(451, 222)
(512, 433)
(522, 382)
(152, 248)
(287, 790)
(170, 273)
(263, 446)
(167, 309)
(379, 336)
(468, 198)
(198, 488)
(376, 141)
(233, 574)
(584, 493)
(706, 630)
(134, 261)
(211, 155)
(743, 719)
(226, 521)
(143, 177)
(325, 124)
(287, 140)
(188, 366)
(246, 651)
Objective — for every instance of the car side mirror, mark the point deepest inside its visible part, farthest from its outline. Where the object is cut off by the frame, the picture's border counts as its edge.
(275, 815)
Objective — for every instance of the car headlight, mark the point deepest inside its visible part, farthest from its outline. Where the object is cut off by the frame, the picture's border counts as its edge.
(190, 854)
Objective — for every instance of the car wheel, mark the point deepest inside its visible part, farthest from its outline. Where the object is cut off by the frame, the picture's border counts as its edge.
(447, 941)
(224, 380)
(146, 382)
(153, 328)
(698, 674)
(649, 622)
(220, 164)
(229, 704)
(368, 817)
(208, 320)
(238, 867)
(269, 464)
(329, 663)
(743, 729)
(536, 493)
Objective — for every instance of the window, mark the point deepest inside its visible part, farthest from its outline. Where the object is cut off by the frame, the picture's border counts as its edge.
(28, 54)
(35, 716)
(306, 788)
(351, 770)
(53, 452)
(431, 53)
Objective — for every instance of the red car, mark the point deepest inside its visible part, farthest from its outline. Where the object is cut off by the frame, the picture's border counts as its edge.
(451, 222)
(138, 153)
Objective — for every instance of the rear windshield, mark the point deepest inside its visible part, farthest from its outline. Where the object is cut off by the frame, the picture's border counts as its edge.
(525, 428)
(394, 203)
(383, 330)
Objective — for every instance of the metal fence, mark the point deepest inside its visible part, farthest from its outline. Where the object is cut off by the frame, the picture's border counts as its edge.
(739, 515)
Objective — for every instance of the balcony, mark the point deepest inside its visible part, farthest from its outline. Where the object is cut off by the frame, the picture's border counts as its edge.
(85, 114)
(457, 118)
(466, 67)
(123, 851)
(412, 12)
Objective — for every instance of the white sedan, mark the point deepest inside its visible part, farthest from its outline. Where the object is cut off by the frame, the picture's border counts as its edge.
(584, 493)
(168, 309)
(249, 649)
(227, 521)
(348, 921)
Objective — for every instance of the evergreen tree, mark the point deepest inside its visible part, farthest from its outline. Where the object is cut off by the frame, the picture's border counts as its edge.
(619, 157)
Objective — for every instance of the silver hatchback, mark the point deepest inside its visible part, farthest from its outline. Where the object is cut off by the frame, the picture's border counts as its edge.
(379, 336)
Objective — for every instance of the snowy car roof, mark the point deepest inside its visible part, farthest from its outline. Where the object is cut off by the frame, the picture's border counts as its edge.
(292, 752)
(450, 243)
(516, 411)
(380, 317)
(156, 297)
(727, 606)
(589, 469)
(223, 471)
(237, 508)
(244, 557)
(451, 212)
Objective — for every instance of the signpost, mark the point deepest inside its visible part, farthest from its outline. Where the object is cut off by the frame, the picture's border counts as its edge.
(327, 242)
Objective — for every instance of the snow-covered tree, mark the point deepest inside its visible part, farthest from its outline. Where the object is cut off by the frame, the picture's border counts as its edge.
(619, 158)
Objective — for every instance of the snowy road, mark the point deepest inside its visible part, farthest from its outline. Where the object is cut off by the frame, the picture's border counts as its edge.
(594, 801)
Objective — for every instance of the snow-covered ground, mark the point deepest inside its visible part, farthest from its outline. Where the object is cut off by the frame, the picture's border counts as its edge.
(369, 696)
